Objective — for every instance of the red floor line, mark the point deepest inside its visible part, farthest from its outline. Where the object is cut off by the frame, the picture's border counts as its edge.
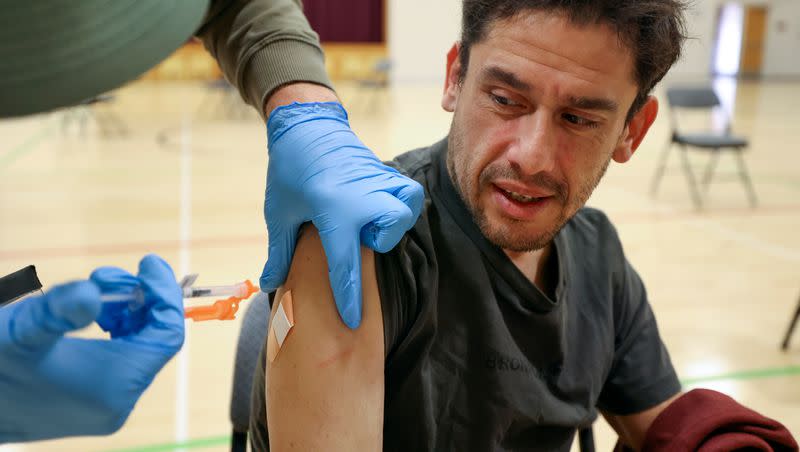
(709, 212)
(256, 240)
(133, 247)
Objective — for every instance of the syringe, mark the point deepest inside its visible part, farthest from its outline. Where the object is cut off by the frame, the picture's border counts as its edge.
(222, 309)
(239, 290)
(135, 297)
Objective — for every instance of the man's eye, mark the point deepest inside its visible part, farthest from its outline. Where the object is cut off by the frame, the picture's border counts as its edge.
(578, 120)
(504, 101)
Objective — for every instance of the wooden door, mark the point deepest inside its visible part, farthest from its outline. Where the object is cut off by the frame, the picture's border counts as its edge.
(754, 31)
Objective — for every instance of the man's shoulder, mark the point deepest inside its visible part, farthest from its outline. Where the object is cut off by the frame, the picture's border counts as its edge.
(591, 220)
(416, 162)
(591, 229)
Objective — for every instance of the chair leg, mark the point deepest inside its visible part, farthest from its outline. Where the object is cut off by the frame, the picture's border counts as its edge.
(66, 118)
(662, 164)
(586, 439)
(710, 167)
(84, 120)
(745, 176)
(698, 201)
(238, 441)
(374, 100)
(790, 330)
(116, 123)
(102, 123)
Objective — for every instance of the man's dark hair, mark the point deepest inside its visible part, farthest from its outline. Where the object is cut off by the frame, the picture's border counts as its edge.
(654, 30)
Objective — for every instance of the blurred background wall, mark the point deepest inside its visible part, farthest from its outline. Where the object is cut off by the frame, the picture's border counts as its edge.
(751, 38)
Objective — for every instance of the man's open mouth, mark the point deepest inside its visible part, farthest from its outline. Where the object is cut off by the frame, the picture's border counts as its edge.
(519, 197)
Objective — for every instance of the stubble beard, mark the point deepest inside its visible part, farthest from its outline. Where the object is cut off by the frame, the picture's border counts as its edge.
(503, 235)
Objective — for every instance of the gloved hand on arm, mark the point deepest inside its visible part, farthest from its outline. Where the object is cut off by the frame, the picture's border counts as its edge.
(319, 171)
(54, 386)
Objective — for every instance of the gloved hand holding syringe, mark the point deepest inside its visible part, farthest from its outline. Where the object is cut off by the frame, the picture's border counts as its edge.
(123, 299)
(136, 298)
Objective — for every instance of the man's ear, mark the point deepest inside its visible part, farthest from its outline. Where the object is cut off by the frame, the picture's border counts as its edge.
(635, 131)
(451, 79)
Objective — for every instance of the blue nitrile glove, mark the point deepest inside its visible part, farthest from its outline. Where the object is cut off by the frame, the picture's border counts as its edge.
(319, 171)
(119, 318)
(54, 386)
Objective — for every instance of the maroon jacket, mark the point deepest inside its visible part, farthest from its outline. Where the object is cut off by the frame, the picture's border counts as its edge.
(708, 421)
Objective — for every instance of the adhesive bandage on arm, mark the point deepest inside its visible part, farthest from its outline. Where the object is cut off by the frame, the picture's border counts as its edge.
(280, 326)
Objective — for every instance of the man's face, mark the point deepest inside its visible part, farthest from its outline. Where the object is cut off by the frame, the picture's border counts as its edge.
(538, 116)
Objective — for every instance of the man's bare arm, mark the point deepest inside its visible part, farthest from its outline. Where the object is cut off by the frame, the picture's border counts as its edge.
(325, 385)
(632, 428)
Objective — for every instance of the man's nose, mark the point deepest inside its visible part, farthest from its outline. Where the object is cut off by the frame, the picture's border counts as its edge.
(534, 150)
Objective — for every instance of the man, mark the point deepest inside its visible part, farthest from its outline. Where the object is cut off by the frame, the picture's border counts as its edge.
(508, 315)
(57, 53)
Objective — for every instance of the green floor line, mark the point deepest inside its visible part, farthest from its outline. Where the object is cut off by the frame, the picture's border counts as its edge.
(7, 158)
(199, 443)
(744, 375)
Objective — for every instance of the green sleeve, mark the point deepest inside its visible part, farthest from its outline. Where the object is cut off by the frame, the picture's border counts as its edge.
(263, 44)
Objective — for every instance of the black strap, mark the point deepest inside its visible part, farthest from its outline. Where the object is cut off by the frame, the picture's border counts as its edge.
(18, 284)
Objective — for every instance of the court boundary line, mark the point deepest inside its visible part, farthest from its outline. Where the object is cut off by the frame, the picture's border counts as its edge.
(690, 218)
(27, 146)
(742, 375)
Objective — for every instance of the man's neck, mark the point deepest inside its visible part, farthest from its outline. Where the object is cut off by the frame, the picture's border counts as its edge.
(533, 264)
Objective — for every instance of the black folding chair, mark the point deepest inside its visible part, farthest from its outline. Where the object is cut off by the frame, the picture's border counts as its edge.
(99, 109)
(788, 336)
(371, 87)
(252, 337)
(701, 98)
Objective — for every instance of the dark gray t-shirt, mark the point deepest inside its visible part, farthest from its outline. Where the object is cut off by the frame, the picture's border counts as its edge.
(478, 358)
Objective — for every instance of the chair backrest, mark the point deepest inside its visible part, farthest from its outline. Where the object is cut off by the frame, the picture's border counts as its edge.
(692, 97)
(252, 337)
(701, 99)
(382, 66)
